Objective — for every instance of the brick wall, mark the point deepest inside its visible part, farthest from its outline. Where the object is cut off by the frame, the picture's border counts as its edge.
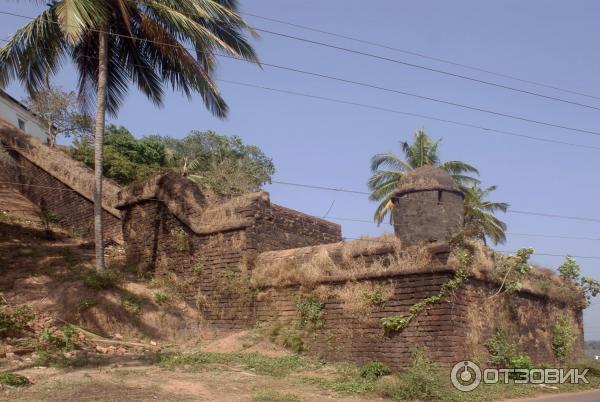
(57, 183)
(72, 210)
(213, 268)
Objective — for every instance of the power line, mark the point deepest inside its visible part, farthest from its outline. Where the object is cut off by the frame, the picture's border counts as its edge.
(395, 111)
(412, 53)
(425, 68)
(318, 187)
(506, 115)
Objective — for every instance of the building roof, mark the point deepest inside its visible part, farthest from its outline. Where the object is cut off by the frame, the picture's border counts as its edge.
(426, 178)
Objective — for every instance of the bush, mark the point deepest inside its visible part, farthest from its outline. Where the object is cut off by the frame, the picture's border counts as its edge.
(161, 297)
(288, 338)
(419, 382)
(562, 338)
(131, 303)
(503, 352)
(14, 320)
(99, 280)
(374, 370)
(310, 311)
(14, 380)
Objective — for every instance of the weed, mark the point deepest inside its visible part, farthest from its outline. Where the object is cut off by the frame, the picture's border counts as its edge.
(198, 267)
(562, 338)
(14, 320)
(419, 382)
(269, 395)
(273, 366)
(311, 312)
(503, 352)
(374, 297)
(85, 304)
(131, 303)
(14, 380)
(69, 258)
(182, 240)
(374, 370)
(161, 297)
(99, 280)
(288, 338)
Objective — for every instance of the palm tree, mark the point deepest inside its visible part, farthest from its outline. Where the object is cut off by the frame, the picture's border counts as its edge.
(113, 42)
(387, 169)
(480, 221)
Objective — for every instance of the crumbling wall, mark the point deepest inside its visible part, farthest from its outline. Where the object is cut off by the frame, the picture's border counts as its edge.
(245, 262)
(57, 183)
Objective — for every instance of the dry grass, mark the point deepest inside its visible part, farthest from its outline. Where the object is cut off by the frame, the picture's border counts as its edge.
(361, 298)
(310, 266)
(224, 214)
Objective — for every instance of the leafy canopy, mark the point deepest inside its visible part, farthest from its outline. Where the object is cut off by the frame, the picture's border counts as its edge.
(223, 164)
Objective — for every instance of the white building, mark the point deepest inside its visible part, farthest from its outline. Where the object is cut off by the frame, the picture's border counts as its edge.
(20, 116)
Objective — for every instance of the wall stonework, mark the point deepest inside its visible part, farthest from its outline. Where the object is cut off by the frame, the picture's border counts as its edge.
(427, 206)
(213, 270)
(57, 183)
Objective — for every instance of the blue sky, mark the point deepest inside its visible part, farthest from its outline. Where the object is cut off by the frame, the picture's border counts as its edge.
(330, 144)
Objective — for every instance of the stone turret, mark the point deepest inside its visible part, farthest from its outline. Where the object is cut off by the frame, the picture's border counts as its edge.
(427, 206)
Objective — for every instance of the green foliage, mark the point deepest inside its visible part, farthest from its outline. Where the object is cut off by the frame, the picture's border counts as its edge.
(126, 159)
(393, 324)
(14, 320)
(182, 239)
(87, 303)
(374, 370)
(14, 380)
(131, 303)
(273, 366)
(269, 395)
(224, 164)
(503, 352)
(99, 280)
(562, 338)
(374, 297)
(49, 341)
(513, 269)
(311, 312)
(419, 382)
(570, 270)
(480, 221)
(161, 297)
(387, 169)
(287, 337)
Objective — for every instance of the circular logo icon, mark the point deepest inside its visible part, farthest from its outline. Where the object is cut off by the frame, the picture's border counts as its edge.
(465, 376)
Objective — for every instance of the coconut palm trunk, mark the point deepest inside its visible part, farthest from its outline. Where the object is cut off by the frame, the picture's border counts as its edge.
(99, 147)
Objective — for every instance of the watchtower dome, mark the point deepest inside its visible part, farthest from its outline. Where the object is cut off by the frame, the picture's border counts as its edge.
(427, 206)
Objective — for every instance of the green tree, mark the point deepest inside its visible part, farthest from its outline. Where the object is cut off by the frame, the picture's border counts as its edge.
(480, 221)
(114, 42)
(387, 169)
(60, 110)
(221, 163)
(126, 159)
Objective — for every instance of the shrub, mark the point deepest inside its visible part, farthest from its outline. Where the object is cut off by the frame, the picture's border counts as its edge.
(269, 395)
(161, 297)
(288, 338)
(14, 380)
(85, 304)
(570, 270)
(99, 280)
(503, 352)
(14, 320)
(374, 297)
(419, 382)
(562, 338)
(311, 312)
(131, 303)
(182, 240)
(374, 370)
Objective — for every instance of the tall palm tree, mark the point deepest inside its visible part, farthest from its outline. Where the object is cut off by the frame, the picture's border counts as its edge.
(480, 221)
(112, 42)
(387, 169)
